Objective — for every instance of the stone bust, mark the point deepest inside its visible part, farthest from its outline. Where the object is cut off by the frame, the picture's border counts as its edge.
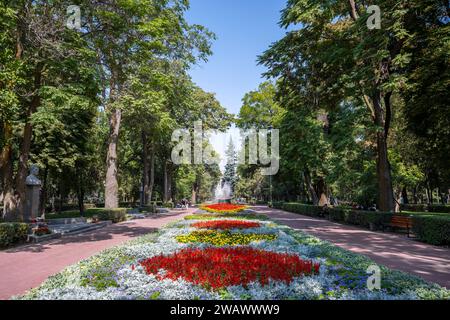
(32, 179)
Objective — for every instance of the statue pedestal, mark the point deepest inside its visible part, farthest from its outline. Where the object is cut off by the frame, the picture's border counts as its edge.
(32, 202)
(32, 196)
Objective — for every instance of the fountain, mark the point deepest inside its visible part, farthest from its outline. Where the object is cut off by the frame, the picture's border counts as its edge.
(223, 193)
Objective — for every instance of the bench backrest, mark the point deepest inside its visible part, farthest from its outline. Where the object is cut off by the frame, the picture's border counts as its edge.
(398, 220)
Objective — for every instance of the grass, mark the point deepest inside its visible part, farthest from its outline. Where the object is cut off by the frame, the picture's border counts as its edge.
(413, 213)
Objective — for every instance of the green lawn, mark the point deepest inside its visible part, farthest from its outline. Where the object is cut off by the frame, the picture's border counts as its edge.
(413, 213)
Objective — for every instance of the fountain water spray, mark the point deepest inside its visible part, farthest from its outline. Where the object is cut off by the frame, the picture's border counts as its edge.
(222, 193)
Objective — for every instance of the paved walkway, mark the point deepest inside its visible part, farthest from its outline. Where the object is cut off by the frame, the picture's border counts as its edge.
(26, 267)
(392, 250)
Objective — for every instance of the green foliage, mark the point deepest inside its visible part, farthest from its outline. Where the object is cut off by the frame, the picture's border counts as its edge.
(12, 233)
(260, 109)
(365, 219)
(230, 175)
(169, 205)
(414, 207)
(115, 215)
(361, 218)
(305, 209)
(439, 208)
(433, 229)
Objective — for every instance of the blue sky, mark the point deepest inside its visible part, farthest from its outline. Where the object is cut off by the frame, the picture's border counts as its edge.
(244, 29)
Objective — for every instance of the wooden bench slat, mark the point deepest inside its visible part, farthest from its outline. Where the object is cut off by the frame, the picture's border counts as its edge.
(401, 222)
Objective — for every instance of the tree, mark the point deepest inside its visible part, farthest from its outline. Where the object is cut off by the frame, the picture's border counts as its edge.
(128, 36)
(40, 51)
(334, 57)
(229, 176)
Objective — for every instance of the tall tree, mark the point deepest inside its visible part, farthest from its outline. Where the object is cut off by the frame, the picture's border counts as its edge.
(128, 35)
(230, 176)
(334, 57)
(41, 50)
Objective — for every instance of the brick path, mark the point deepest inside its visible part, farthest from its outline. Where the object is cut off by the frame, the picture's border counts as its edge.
(26, 267)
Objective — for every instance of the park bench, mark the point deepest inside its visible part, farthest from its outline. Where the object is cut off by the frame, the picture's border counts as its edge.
(400, 222)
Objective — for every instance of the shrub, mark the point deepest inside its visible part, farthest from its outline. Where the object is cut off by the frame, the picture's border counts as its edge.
(115, 215)
(432, 229)
(168, 205)
(360, 218)
(150, 208)
(12, 232)
(420, 207)
(439, 208)
(342, 214)
(277, 204)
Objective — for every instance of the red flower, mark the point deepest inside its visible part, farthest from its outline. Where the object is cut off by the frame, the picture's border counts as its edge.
(222, 267)
(224, 207)
(226, 224)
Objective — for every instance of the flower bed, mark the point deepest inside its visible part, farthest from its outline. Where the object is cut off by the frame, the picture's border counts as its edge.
(217, 238)
(223, 208)
(226, 224)
(222, 267)
(158, 266)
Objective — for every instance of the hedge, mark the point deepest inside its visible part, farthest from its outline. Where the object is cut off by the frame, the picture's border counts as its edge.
(150, 208)
(115, 215)
(420, 207)
(365, 219)
(428, 227)
(432, 229)
(168, 205)
(306, 209)
(361, 218)
(277, 204)
(11, 233)
(439, 208)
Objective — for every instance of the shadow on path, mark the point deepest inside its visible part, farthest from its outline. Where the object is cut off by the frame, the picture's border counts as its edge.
(395, 251)
(127, 230)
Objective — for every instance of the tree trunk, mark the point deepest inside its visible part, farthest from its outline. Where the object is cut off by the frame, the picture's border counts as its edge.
(152, 175)
(382, 120)
(80, 193)
(415, 198)
(405, 196)
(111, 184)
(145, 169)
(194, 194)
(429, 193)
(167, 182)
(321, 191)
(397, 207)
(6, 167)
(310, 187)
(44, 192)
